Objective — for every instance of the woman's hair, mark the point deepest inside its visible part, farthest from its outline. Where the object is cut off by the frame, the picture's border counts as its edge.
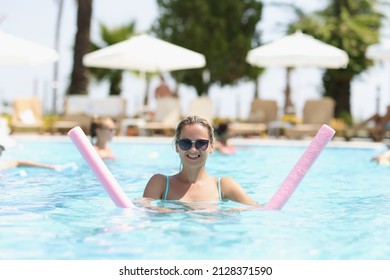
(97, 123)
(192, 120)
(221, 129)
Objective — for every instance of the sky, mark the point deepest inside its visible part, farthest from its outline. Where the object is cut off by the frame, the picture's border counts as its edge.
(36, 20)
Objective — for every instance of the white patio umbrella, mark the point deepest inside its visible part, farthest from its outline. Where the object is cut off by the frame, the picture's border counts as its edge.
(146, 54)
(297, 50)
(15, 50)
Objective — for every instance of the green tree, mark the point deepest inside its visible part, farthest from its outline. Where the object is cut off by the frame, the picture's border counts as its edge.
(224, 31)
(351, 25)
(110, 37)
(80, 76)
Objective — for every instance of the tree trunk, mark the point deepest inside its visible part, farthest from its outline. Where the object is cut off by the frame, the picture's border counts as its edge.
(116, 83)
(339, 88)
(80, 74)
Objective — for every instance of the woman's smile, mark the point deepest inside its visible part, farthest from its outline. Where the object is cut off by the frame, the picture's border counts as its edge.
(193, 156)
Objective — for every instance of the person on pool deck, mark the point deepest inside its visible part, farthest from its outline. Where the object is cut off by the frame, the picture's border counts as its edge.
(163, 89)
(103, 130)
(23, 163)
(194, 142)
(382, 125)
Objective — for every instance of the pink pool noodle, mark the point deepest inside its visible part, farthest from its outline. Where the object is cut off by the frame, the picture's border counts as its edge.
(101, 171)
(323, 136)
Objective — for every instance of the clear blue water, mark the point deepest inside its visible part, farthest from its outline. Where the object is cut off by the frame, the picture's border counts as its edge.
(339, 211)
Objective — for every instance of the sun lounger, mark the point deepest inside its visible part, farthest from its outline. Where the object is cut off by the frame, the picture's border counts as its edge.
(27, 115)
(166, 118)
(81, 109)
(315, 114)
(261, 114)
(202, 107)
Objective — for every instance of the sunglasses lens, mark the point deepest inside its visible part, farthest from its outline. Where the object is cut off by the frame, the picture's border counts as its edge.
(185, 144)
(201, 145)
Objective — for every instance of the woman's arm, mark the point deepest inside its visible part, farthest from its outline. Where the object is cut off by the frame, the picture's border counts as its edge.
(25, 163)
(146, 202)
(233, 191)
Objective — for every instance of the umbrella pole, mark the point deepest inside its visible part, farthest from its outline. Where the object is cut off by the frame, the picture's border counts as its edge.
(378, 100)
(147, 87)
(288, 105)
(145, 100)
(257, 87)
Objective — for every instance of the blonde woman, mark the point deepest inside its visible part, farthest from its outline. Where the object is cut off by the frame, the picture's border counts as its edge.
(194, 142)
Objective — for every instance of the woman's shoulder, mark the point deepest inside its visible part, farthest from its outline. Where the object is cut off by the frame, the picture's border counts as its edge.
(227, 181)
(158, 177)
(155, 187)
(105, 153)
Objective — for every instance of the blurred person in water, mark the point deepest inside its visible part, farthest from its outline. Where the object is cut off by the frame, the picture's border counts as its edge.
(222, 145)
(383, 158)
(103, 129)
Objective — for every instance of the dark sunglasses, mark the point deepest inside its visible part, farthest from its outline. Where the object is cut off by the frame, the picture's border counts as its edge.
(186, 144)
(109, 129)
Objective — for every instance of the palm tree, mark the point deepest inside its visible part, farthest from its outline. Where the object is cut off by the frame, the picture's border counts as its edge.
(110, 37)
(80, 76)
(351, 25)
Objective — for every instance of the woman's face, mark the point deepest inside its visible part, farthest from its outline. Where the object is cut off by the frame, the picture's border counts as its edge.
(107, 131)
(193, 155)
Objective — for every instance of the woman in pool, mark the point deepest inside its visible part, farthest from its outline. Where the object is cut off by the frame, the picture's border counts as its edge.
(383, 159)
(194, 141)
(102, 131)
(222, 145)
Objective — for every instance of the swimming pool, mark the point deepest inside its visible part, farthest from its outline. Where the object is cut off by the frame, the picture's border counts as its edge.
(339, 211)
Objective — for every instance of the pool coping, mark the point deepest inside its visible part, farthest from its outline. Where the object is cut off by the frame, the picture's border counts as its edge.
(335, 142)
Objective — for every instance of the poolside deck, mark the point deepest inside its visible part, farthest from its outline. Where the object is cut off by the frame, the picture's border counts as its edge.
(335, 142)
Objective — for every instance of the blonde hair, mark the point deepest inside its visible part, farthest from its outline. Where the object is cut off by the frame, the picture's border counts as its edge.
(192, 120)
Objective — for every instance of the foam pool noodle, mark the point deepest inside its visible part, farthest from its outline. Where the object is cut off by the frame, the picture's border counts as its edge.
(287, 188)
(101, 171)
(323, 136)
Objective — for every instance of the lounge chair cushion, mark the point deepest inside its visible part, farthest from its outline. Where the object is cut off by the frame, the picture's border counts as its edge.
(27, 117)
(257, 117)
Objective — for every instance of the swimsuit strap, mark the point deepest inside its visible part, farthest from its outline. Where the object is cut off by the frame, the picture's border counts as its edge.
(166, 188)
(219, 189)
